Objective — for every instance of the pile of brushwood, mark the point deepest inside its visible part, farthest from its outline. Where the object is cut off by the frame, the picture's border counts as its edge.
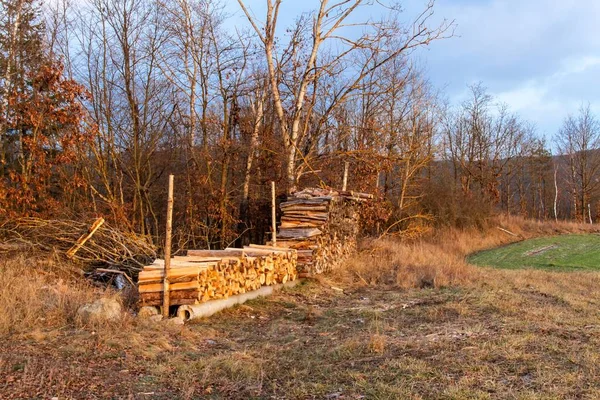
(108, 247)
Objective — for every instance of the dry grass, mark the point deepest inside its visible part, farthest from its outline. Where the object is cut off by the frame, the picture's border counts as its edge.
(525, 334)
(438, 260)
(38, 293)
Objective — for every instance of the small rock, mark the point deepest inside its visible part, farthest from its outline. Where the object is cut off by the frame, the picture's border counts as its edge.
(176, 321)
(155, 318)
(211, 342)
(104, 309)
(147, 312)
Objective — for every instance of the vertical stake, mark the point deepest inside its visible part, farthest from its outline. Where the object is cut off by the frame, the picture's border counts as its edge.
(273, 216)
(555, 195)
(345, 182)
(590, 213)
(166, 290)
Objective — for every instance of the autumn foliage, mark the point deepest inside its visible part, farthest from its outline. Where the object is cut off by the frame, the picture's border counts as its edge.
(46, 121)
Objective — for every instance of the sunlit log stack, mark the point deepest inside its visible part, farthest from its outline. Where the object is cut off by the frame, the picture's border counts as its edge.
(322, 225)
(205, 275)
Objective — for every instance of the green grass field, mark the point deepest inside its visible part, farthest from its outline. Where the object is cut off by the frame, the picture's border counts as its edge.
(567, 252)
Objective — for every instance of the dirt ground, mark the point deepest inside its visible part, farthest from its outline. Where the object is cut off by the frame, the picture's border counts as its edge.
(512, 334)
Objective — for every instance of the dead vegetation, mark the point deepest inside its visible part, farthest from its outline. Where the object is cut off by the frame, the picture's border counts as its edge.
(438, 260)
(39, 293)
(108, 247)
(521, 335)
(476, 333)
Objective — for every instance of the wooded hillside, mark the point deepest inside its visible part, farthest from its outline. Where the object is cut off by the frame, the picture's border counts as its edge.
(102, 99)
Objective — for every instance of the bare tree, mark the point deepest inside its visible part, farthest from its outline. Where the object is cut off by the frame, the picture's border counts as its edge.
(579, 141)
(328, 23)
(129, 100)
(256, 99)
(481, 139)
(21, 53)
(11, 20)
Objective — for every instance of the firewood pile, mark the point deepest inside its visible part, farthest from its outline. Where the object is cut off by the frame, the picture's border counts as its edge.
(322, 225)
(205, 275)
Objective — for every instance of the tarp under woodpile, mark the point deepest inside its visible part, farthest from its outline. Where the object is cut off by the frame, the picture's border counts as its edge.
(322, 225)
(205, 275)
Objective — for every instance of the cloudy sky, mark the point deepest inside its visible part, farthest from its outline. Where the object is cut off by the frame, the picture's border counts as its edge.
(541, 57)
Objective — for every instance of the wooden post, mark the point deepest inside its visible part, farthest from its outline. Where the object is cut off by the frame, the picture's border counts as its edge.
(273, 215)
(166, 293)
(555, 195)
(345, 182)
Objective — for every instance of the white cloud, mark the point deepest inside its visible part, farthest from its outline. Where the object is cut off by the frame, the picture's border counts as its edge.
(546, 100)
(541, 57)
(576, 65)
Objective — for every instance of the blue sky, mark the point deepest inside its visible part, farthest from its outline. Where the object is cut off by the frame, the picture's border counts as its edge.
(541, 57)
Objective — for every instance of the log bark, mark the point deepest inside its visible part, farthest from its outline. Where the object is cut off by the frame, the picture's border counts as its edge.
(84, 238)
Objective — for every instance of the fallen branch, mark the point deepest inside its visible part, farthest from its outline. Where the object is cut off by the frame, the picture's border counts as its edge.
(97, 224)
(509, 232)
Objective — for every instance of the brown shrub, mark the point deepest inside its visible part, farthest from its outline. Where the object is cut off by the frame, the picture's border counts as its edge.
(438, 260)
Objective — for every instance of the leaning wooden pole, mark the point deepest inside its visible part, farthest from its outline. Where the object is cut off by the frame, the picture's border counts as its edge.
(166, 293)
(273, 215)
(85, 237)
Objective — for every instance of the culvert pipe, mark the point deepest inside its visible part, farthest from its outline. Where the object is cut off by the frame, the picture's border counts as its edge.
(195, 311)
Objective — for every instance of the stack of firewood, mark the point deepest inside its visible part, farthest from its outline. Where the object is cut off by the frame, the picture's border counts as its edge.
(322, 225)
(205, 275)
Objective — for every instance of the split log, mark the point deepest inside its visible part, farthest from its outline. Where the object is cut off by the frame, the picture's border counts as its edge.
(299, 233)
(216, 253)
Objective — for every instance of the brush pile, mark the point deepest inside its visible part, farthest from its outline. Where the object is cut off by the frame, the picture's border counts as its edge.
(108, 247)
(322, 225)
(205, 275)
